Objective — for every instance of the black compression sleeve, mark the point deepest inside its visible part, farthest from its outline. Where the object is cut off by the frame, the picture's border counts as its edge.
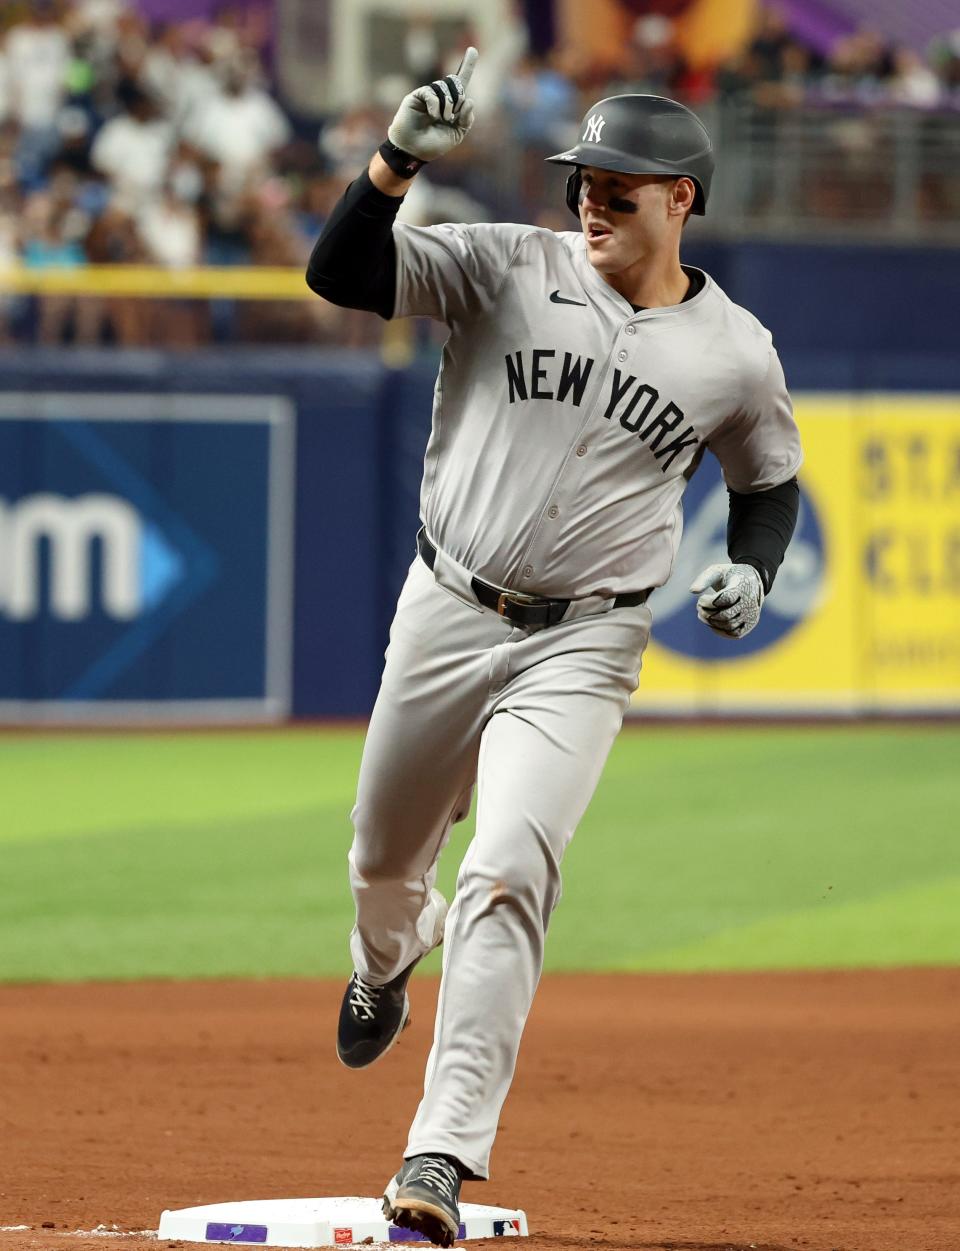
(354, 262)
(760, 527)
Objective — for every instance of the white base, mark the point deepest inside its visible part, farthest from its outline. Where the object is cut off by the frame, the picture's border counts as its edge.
(340, 1222)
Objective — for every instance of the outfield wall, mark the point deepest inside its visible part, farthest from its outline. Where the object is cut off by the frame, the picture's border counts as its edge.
(220, 536)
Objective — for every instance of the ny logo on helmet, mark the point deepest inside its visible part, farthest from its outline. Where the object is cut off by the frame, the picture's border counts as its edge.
(595, 125)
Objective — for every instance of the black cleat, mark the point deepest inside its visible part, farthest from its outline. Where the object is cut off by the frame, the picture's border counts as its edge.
(423, 1197)
(372, 1018)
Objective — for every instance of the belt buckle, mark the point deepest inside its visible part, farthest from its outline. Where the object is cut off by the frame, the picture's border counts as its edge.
(516, 597)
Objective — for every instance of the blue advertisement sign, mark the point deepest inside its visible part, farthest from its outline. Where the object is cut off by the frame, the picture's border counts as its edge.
(146, 546)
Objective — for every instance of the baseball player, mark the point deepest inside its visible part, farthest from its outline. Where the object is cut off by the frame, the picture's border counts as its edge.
(583, 376)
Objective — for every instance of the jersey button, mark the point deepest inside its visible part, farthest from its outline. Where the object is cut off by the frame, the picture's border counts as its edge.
(631, 330)
(582, 450)
(553, 511)
(621, 355)
(528, 571)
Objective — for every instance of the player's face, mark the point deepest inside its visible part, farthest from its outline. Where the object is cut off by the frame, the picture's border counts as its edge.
(627, 218)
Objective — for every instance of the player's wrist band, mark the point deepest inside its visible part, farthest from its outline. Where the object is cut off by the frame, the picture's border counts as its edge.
(402, 163)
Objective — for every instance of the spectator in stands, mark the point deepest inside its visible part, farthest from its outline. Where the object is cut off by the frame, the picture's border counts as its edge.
(277, 240)
(913, 82)
(51, 239)
(171, 232)
(790, 88)
(240, 127)
(945, 57)
(180, 72)
(738, 77)
(774, 71)
(74, 126)
(422, 50)
(37, 57)
(769, 44)
(251, 26)
(859, 68)
(99, 17)
(539, 105)
(170, 228)
(655, 64)
(346, 141)
(133, 149)
(113, 240)
(48, 241)
(132, 35)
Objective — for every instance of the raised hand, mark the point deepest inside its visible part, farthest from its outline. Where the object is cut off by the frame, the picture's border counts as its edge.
(433, 119)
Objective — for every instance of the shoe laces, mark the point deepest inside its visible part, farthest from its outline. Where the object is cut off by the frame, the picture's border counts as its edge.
(364, 998)
(440, 1173)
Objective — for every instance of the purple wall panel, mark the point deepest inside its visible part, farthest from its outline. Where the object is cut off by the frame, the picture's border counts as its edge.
(912, 22)
(187, 10)
(176, 10)
(815, 23)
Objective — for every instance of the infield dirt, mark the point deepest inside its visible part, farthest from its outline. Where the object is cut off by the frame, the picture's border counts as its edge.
(694, 1113)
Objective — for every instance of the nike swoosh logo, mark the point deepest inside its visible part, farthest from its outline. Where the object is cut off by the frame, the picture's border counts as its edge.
(557, 298)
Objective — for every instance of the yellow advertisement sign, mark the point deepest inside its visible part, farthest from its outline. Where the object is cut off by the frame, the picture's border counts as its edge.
(865, 613)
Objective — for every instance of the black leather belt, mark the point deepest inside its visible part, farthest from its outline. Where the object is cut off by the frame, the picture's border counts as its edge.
(527, 610)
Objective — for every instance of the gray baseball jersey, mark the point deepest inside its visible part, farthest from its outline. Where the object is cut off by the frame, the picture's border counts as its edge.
(566, 425)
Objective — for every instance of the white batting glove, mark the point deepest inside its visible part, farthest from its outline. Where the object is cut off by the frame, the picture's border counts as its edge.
(731, 597)
(434, 119)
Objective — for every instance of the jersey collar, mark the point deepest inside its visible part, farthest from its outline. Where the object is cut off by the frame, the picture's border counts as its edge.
(622, 305)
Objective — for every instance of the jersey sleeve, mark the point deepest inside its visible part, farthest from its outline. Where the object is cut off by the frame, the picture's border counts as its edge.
(758, 447)
(452, 272)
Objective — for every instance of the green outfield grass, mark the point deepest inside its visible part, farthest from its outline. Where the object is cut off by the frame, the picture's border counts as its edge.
(209, 854)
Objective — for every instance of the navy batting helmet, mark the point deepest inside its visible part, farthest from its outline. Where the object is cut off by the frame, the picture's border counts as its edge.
(641, 135)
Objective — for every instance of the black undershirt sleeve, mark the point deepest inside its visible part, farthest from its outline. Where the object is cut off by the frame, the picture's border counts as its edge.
(354, 262)
(760, 526)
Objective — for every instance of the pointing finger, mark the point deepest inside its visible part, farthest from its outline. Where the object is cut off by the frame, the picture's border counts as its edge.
(465, 72)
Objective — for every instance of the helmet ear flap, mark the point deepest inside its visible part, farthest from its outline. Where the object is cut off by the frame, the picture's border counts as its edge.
(574, 187)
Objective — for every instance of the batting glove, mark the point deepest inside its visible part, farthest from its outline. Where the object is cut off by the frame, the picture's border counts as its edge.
(434, 119)
(730, 599)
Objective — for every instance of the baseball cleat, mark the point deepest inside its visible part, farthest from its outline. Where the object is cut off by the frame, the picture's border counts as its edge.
(372, 1018)
(423, 1197)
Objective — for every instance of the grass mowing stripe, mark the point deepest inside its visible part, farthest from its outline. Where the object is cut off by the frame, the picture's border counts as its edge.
(55, 785)
(225, 854)
(757, 825)
(913, 926)
(231, 899)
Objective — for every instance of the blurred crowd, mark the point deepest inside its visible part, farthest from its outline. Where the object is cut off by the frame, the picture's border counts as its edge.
(162, 146)
(122, 141)
(776, 70)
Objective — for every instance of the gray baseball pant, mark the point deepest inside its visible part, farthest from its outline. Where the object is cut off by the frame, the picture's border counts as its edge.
(529, 716)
